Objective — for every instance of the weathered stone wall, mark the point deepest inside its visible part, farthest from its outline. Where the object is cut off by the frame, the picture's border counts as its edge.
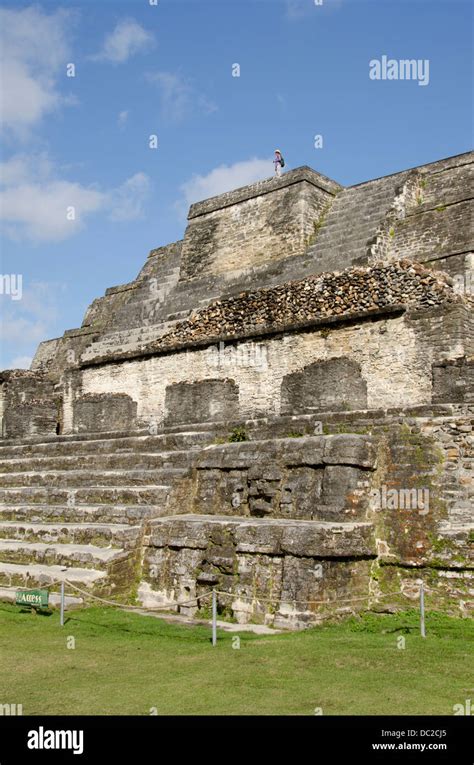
(311, 478)
(329, 384)
(421, 214)
(95, 413)
(310, 301)
(133, 305)
(453, 381)
(435, 229)
(201, 401)
(258, 224)
(279, 573)
(279, 521)
(394, 355)
(283, 526)
(29, 405)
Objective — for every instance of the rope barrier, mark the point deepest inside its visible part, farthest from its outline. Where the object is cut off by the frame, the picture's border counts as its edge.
(311, 602)
(138, 608)
(214, 594)
(209, 593)
(39, 587)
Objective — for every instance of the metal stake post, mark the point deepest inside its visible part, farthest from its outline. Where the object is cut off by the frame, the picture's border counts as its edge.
(61, 618)
(422, 611)
(214, 617)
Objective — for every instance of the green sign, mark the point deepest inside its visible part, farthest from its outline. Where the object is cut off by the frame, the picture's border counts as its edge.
(33, 598)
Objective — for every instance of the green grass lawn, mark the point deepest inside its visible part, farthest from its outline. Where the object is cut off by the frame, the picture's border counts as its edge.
(124, 663)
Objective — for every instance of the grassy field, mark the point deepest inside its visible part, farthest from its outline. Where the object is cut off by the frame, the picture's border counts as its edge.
(124, 663)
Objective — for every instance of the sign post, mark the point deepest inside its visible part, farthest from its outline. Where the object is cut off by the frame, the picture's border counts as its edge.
(32, 598)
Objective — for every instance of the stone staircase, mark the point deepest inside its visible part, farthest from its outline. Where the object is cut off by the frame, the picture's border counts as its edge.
(166, 517)
(75, 508)
(140, 320)
(352, 223)
(84, 508)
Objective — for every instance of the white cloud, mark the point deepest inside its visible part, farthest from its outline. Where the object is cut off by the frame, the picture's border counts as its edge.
(127, 39)
(47, 212)
(28, 321)
(34, 47)
(122, 119)
(20, 362)
(223, 178)
(179, 97)
(128, 200)
(20, 169)
(21, 330)
(37, 205)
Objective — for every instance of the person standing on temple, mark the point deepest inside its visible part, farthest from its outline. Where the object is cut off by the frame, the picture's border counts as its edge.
(279, 162)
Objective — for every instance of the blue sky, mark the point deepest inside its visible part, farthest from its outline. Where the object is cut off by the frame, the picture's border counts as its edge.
(82, 142)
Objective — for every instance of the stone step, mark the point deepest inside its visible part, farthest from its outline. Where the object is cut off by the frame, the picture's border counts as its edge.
(133, 339)
(353, 220)
(98, 534)
(456, 528)
(91, 478)
(140, 461)
(145, 331)
(59, 554)
(350, 206)
(38, 575)
(346, 252)
(336, 258)
(339, 237)
(112, 513)
(340, 231)
(100, 444)
(267, 536)
(163, 271)
(178, 316)
(347, 230)
(124, 495)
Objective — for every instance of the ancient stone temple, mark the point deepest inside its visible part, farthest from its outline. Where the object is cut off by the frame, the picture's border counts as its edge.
(280, 406)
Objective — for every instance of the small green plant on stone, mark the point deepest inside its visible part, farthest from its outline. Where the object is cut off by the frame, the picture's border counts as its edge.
(317, 224)
(294, 435)
(440, 208)
(391, 232)
(237, 434)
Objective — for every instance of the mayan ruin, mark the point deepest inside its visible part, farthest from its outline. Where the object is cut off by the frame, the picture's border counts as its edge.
(280, 406)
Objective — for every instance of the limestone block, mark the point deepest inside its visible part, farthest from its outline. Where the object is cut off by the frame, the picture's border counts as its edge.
(349, 449)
